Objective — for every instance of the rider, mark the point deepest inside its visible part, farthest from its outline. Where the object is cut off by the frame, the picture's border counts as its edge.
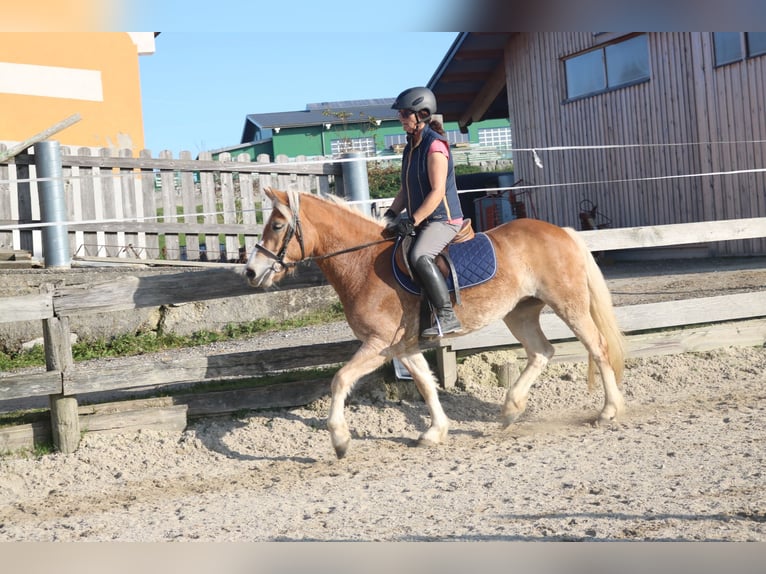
(429, 193)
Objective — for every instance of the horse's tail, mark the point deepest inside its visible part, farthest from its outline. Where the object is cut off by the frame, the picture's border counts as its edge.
(602, 312)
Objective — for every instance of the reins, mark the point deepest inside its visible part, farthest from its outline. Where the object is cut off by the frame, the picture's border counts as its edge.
(295, 229)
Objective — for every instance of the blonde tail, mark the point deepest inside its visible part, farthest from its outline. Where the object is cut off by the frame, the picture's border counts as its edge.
(602, 312)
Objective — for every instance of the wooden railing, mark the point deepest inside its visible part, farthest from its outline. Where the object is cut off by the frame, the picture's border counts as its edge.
(155, 208)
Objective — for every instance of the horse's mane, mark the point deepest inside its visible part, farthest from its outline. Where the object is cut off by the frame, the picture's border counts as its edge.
(344, 204)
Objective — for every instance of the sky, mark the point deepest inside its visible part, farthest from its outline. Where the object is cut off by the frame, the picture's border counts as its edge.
(198, 86)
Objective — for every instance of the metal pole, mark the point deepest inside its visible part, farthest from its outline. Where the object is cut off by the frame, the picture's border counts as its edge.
(355, 181)
(52, 204)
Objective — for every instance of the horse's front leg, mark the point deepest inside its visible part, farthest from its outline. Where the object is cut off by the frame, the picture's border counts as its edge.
(424, 379)
(364, 361)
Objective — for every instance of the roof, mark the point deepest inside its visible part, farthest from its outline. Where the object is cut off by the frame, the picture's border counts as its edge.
(321, 113)
(470, 82)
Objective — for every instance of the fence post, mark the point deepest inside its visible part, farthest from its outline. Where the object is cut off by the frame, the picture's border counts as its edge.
(65, 421)
(52, 204)
(357, 187)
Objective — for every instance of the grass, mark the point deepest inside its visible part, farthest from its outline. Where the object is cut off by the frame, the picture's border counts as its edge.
(128, 345)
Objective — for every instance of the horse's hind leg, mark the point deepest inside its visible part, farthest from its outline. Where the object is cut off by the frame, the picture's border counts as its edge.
(524, 323)
(424, 379)
(364, 361)
(592, 339)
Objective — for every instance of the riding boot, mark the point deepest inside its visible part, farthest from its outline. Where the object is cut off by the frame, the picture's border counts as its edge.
(435, 288)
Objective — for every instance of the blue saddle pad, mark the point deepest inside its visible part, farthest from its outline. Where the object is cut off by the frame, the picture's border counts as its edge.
(474, 260)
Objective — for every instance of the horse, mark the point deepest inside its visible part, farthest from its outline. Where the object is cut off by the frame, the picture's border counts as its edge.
(538, 264)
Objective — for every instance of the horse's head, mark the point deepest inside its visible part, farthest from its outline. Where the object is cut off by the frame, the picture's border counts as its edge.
(281, 245)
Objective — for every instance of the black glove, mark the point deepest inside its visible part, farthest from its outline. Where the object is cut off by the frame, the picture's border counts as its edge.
(405, 226)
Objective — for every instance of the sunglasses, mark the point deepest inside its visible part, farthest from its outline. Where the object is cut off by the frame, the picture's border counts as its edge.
(405, 113)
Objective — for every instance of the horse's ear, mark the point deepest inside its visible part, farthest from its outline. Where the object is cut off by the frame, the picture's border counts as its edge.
(275, 195)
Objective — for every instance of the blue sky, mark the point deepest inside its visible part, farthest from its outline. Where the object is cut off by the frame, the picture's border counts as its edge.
(214, 66)
(198, 87)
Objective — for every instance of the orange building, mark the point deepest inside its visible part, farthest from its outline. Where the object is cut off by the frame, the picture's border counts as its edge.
(45, 77)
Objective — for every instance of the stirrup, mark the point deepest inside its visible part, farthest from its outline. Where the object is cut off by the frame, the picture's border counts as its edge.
(448, 326)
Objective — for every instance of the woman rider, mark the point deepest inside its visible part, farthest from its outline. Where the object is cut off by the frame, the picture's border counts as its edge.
(429, 194)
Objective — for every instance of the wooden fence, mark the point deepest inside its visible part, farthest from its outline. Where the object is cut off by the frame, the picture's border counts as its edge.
(155, 208)
(63, 381)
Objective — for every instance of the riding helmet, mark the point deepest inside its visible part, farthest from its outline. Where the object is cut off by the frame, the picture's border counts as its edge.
(416, 99)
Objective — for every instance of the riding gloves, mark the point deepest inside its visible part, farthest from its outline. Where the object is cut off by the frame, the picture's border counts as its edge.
(405, 226)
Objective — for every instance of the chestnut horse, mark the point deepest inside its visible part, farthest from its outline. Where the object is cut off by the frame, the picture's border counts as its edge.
(538, 264)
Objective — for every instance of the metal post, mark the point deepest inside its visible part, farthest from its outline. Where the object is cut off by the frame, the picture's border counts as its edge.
(52, 204)
(355, 180)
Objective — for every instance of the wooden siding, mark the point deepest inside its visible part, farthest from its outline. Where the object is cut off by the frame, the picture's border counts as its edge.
(679, 122)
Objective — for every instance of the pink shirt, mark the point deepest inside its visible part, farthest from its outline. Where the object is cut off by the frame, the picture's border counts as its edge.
(439, 146)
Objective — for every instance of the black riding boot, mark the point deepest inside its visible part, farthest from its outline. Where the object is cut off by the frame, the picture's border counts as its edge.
(435, 287)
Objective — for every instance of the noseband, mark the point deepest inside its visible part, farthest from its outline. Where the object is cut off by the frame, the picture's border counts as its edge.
(293, 230)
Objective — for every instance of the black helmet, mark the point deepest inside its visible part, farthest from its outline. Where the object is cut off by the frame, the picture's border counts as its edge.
(416, 99)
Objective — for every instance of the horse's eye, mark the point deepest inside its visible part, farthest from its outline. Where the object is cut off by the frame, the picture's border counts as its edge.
(276, 226)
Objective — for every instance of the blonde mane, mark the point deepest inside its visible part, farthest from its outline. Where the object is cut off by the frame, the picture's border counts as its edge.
(343, 203)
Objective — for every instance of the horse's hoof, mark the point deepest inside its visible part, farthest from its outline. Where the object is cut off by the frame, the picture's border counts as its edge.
(508, 420)
(426, 443)
(342, 449)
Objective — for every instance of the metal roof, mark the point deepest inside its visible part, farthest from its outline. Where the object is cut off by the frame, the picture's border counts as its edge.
(470, 82)
(321, 113)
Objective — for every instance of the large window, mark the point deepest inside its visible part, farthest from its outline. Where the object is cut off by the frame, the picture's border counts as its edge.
(341, 146)
(495, 137)
(608, 67)
(736, 46)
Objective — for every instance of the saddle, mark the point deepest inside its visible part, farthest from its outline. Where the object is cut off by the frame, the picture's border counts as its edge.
(468, 260)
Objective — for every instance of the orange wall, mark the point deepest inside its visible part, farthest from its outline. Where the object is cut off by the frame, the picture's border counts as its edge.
(114, 122)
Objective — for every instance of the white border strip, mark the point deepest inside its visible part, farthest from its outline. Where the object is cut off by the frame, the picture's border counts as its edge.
(50, 81)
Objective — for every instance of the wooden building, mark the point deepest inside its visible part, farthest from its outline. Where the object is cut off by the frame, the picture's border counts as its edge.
(651, 128)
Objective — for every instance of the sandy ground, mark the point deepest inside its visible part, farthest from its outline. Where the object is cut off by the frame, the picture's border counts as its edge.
(685, 463)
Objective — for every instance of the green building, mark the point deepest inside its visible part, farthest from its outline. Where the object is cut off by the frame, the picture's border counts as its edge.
(330, 129)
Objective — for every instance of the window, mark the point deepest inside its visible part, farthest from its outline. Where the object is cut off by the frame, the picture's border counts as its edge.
(730, 47)
(341, 146)
(756, 43)
(495, 137)
(608, 67)
(394, 140)
(455, 137)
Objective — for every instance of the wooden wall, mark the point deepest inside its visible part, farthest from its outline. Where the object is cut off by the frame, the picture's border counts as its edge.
(660, 129)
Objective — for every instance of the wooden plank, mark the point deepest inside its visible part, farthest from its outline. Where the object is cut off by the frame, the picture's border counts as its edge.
(216, 367)
(229, 209)
(189, 199)
(18, 437)
(167, 180)
(149, 209)
(134, 292)
(209, 207)
(26, 307)
(38, 137)
(632, 318)
(281, 395)
(749, 333)
(168, 163)
(168, 418)
(166, 227)
(30, 385)
(151, 291)
(676, 234)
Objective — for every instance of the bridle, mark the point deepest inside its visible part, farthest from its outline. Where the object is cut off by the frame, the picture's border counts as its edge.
(294, 229)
